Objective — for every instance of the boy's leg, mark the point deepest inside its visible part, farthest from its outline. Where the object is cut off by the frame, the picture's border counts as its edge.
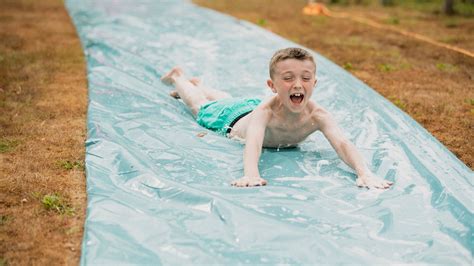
(211, 94)
(192, 96)
(193, 80)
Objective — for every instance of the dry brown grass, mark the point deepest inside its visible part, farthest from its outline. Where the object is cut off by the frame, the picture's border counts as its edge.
(42, 125)
(433, 85)
(43, 103)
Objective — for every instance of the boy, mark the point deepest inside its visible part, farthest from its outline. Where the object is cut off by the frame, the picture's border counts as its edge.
(284, 120)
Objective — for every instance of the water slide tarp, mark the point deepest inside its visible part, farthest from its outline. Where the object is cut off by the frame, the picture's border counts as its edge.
(160, 194)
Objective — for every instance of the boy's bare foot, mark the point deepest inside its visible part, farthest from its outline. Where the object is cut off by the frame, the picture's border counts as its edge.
(170, 77)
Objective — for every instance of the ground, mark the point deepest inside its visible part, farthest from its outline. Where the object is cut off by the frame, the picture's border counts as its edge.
(43, 100)
(42, 132)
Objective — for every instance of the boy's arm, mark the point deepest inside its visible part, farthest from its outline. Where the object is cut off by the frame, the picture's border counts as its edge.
(348, 152)
(253, 148)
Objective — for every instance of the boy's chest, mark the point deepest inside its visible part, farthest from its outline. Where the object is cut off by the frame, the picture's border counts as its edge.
(287, 133)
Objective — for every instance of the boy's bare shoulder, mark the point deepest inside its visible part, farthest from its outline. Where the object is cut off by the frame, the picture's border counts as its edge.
(262, 112)
(319, 114)
(266, 107)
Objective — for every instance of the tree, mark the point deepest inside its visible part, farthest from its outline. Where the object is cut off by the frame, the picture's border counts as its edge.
(448, 7)
(386, 2)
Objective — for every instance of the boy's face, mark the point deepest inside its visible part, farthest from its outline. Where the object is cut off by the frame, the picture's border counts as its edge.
(293, 82)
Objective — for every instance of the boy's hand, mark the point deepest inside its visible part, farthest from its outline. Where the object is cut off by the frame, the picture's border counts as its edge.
(371, 181)
(249, 182)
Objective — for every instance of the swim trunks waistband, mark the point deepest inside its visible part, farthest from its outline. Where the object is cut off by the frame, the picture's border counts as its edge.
(231, 125)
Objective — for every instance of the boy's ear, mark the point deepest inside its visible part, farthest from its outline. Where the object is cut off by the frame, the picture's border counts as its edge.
(271, 86)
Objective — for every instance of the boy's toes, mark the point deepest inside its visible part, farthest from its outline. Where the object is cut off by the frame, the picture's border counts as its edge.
(240, 184)
(195, 81)
(360, 182)
(174, 94)
(387, 184)
(258, 182)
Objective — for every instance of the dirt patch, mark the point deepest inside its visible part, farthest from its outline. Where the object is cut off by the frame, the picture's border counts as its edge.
(42, 133)
(432, 84)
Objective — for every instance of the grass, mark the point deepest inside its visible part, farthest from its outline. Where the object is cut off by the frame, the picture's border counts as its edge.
(348, 66)
(262, 22)
(425, 6)
(73, 230)
(4, 219)
(464, 9)
(393, 21)
(43, 101)
(451, 23)
(446, 67)
(43, 105)
(399, 103)
(7, 145)
(55, 202)
(453, 39)
(69, 165)
(319, 21)
(386, 67)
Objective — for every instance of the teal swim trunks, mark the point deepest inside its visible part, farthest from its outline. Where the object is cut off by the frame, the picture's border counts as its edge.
(222, 114)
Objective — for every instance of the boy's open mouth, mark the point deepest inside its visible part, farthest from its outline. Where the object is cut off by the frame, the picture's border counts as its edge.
(296, 97)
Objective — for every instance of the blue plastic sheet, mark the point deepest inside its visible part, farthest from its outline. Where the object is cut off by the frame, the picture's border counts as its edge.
(160, 194)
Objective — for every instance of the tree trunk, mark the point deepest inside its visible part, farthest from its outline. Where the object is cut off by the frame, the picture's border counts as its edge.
(448, 7)
(386, 2)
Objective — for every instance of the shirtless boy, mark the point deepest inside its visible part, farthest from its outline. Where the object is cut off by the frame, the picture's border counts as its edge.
(284, 120)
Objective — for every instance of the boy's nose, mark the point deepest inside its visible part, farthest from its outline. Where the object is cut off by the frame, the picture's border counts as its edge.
(298, 83)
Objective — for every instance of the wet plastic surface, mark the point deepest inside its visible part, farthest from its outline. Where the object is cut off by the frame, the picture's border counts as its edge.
(158, 193)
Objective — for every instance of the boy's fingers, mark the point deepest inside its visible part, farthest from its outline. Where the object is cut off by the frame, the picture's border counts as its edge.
(262, 182)
(360, 183)
(236, 183)
(256, 183)
(377, 183)
(383, 184)
(240, 183)
(245, 182)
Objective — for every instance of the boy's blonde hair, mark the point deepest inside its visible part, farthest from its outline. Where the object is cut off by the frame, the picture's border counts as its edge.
(289, 53)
